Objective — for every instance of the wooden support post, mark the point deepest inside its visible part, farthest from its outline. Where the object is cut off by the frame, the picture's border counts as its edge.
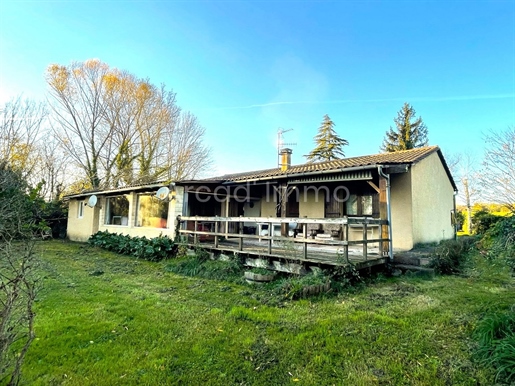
(270, 235)
(305, 234)
(365, 238)
(346, 237)
(227, 200)
(216, 234)
(383, 214)
(284, 205)
(240, 231)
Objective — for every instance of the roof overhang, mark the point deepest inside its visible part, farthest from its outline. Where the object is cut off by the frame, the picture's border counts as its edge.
(110, 192)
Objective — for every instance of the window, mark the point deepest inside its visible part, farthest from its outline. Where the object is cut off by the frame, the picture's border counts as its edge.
(360, 205)
(366, 206)
(80, 211)
(117, 211)
(352, 205)
(151, 212)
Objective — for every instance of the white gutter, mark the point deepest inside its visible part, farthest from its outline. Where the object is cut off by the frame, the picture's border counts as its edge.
(389, 210)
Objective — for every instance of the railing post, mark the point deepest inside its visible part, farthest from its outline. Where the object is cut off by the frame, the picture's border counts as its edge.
(195, 236)
(216, 233)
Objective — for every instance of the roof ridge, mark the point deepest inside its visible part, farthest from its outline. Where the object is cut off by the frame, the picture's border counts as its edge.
(339, 162)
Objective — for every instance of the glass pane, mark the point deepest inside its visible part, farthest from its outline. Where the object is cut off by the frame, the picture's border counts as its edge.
(352, 205)
(367, 205)
(152, 212)
(117, 211)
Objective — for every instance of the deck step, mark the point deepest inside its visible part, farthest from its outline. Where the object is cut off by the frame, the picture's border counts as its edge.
(421, 261)
(416, 269)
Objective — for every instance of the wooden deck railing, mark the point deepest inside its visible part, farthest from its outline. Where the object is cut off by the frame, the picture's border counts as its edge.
(213, 228)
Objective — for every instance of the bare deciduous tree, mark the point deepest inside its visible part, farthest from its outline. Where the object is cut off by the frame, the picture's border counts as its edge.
(53, 169)
(158, 116)
(20, 129)
(468, 180)
(498, 173)
(77, 96)
(28, 146)
(120, 129)
(190, 157)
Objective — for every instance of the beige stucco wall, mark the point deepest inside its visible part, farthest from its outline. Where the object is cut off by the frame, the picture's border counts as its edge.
(432, 201)
(79, 229)
(311, 204)
(268, 207)
(401, 207)
(255, 211)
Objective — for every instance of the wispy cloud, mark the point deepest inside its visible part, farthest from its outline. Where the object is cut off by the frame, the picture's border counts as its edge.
(342, 101)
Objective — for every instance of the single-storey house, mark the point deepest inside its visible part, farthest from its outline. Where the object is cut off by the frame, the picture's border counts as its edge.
(412, 190)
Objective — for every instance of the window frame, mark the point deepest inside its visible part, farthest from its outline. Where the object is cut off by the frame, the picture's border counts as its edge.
(139, 222)
(108, 212)
(80, 209)
(359, 201)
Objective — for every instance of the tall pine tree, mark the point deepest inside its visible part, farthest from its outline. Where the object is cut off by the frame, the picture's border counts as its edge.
(329, 145)
(409, 132)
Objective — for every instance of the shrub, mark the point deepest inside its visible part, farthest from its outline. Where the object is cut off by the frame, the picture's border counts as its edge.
(449, 255)
(499, 240)
(483, 220)
(155, 249)
(18, 271)
(260, 271)
(201, 266)
(295, 287)
(460, 220)
(496, 337)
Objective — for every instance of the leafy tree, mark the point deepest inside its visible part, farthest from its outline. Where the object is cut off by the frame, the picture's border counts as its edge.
(409, 132)
(497, 177)
(17, 272)
(329, 145)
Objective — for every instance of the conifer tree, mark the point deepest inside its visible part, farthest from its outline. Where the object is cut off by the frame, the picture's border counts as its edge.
(329, 145)
(409, 132)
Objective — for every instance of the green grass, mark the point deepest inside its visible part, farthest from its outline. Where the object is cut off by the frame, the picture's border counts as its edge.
(105, 319)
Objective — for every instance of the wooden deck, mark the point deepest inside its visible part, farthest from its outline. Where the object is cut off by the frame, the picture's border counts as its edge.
(289, 253)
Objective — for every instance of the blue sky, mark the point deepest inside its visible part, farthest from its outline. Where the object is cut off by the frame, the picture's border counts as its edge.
(248, 68)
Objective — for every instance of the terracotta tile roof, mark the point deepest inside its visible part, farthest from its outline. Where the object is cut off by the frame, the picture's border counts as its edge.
(399, 157)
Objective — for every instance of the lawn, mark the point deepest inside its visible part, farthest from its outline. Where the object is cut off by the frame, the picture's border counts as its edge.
(106, 319)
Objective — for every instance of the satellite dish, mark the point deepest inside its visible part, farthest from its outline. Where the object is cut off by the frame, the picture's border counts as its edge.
(162, 193)
(92, 201)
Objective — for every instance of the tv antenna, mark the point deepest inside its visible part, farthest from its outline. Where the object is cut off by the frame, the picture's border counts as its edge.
(281, 144)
